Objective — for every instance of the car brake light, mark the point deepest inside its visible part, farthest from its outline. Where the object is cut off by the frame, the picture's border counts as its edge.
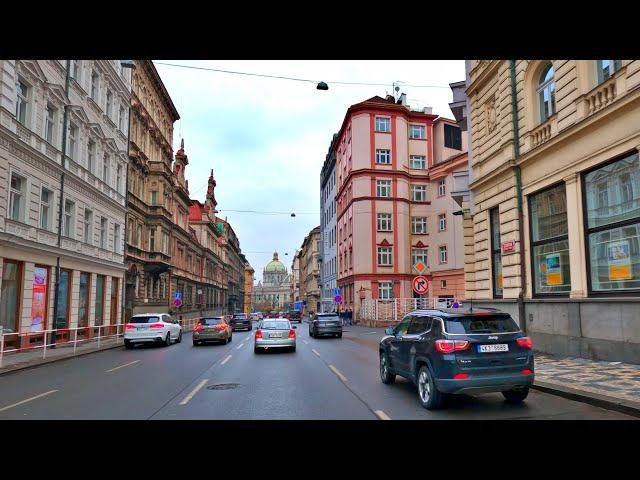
(259, 334)
(449, 346)
(292, 333)
(198, 328)
(157, 325)
(527, 372)
(460, 376)
(220, 327)
(128, 326)
(525, 342)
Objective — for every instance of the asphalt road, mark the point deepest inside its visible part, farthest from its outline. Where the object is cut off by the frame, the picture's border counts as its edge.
(325, 378)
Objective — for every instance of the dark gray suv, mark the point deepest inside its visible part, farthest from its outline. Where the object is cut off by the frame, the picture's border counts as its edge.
(448, 351)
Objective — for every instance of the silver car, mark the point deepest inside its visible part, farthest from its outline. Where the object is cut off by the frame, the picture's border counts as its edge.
(275, 333)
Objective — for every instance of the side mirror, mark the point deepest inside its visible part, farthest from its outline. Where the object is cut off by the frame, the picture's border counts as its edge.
(390, 331)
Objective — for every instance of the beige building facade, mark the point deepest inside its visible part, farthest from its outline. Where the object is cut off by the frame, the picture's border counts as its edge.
(310, 271)
(91, 251)
(248, 287)
(553, 232)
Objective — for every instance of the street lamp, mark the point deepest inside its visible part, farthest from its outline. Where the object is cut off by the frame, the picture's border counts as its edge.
(322, 86)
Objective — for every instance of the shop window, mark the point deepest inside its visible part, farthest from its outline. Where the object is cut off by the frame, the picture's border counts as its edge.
(99, 312)
(496, 255)
(83, 300)
(64, 300)
(10, 295)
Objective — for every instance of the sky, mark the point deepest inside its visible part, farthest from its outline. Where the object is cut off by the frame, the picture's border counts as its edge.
(266, 139)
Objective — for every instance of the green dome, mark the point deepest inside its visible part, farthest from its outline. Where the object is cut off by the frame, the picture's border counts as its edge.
(275, 265)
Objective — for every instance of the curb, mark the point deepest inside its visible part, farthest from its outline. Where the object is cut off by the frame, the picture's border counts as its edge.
(604, 401)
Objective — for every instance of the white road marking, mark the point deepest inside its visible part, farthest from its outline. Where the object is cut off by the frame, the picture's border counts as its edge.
(240, 346)
(122, 366)
(314, 351)
(382, 416)
(225, 360)
(27, 400)
(306, 343)
(194, 391)
(370, 333)
(337, 372)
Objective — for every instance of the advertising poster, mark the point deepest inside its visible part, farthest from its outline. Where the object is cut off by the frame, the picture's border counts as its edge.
(554, 274)
(619, 261)
(39, 299)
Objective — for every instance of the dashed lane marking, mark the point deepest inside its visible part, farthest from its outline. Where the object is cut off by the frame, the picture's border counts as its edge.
(194, 391)
(240, 346)
(370, 333)
(305, 342)
(314, 351)
(382, 416)
(225, 360)
(27, 400)
(122, 366)
(337, 372)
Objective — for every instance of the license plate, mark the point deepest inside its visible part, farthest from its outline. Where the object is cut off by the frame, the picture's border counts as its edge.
(142, 328)
(275, 335)
(498, 347)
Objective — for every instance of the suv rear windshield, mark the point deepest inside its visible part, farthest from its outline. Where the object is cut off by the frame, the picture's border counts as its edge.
(275, 325)
(210, 321)
(481, 324)
(328, 318)
(144, 319)
(240, 315)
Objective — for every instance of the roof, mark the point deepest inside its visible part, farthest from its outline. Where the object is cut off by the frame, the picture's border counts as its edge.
(457, 312)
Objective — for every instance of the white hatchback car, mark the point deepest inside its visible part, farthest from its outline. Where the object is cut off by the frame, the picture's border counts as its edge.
(152, 328)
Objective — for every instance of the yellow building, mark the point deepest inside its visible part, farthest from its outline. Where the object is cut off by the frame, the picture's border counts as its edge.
(553, 232)
(248, 286)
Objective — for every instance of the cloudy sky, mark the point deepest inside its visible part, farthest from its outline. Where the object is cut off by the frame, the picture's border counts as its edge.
(266, 139)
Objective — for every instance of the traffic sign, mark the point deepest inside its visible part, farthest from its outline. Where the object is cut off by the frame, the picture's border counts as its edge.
(177, 302)
(178, 296)
(420, 267)
(337, 298)
(336, 291)
(420, 285)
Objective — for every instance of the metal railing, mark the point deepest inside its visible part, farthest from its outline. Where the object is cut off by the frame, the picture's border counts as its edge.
(21, 342)
(374, 311)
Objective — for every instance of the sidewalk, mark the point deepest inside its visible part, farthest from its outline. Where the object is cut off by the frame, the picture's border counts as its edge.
(611, 385)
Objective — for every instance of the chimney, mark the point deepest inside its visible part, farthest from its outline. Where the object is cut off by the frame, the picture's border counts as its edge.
(391, 99)
(403, 99)
(427, 110)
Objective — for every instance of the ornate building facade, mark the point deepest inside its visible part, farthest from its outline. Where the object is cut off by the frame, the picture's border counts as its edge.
(310, 270)
(274, 290)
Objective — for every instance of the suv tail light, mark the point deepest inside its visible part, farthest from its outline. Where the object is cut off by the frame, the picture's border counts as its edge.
(157, 325)
(527, 372)
(292, 333)
(198, 328)
(449, 346)
(525, 342)
(460, 376)
(129, 326)
(220, 327)
(259, 334)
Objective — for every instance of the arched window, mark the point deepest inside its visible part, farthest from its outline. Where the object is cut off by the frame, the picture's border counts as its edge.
(547, 94)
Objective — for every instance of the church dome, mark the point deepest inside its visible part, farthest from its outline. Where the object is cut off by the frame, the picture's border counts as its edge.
(275, 265)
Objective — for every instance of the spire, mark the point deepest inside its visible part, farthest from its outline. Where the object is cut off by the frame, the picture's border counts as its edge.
(211, 197)
(275, 255)
(182, 144)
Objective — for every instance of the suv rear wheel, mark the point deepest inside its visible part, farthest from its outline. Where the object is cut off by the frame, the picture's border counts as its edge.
(516, 396)
(429, 396)
(385, 374)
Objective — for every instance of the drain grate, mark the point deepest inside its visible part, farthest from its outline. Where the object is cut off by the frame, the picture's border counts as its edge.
(224, 386)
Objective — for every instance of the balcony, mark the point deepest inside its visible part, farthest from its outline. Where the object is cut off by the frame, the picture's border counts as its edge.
(160, 211)
(543, 132)
(157, 263)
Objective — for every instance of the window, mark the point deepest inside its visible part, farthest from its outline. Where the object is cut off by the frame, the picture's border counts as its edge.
(383, 124)
(418, 225)
(606, 68)
(442, 187)
(384, 222)
(49, 122)
(105, 169)
(165, 243)
(417, 162)
(547, 94)
(10, 295)
(119, 178)
(452, 137)
(91, 155)
(16, 197)
(152, 240)
(99, 312)
(116, 238)
(109, 108)
(75, 70)
(22, 102)
(496, 255)
(64, 299)
(419, 325)
(383, 188)
(417, 131)
(73, 141)
(443, 254)
(88, 226)
(443, 284)
(83, 303)
(46, 198)
(94, 85)
(114, 300)
(138, 236)
(69, 208)
(613, 226)
(121, 119)
(419, 193)
(103, 232)
(549, 239)
(384, 256)
(419, 255)
(442, 222)
(383, 156)
(385, 290)
(154, 198)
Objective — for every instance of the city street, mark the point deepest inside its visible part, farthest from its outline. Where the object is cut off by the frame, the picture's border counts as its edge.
(327, 378)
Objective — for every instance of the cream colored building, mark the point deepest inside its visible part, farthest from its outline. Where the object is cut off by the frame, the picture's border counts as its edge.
(310, 270)
(32, 102)
(248, 286)
(553, 233)
(274, 290)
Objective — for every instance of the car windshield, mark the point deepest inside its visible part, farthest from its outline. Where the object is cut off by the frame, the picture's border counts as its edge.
(144, 319)
(481, 324)
(328, 318)
(211, 321)
(275, 325)
(240, 315)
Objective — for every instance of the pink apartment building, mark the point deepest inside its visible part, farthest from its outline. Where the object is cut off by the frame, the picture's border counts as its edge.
(386, 196)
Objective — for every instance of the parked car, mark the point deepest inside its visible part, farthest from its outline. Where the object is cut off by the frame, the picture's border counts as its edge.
(241, 320)
(295, 315)
(275, 333)
(158, 328)
(212, 329)
(325, 324)
(447, 351)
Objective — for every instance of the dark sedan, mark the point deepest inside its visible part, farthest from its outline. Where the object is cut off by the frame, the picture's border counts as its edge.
(241, 321)
(326, 324)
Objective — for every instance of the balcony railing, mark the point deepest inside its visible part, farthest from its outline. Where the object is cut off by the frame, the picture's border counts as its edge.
(600, 97)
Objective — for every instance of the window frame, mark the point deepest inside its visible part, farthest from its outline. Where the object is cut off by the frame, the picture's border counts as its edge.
(381, 255)
(22, 100)
(413, 224)
(452, 128)
(441, 217)
(104, 232)
(390, 289)
(600, 78)
(387, 187)
(442, 187)
(586, 230)
(541, 86)
(50, 114)
(20, 290)
(424, 255)
(414, 190)
(383, 153)
(387, 219)
(376, 125)
(495, 250)
(68, 219)
(446, 254)
(423, 162)
(49, 210)
(22, 200)
(87, 234)
(421, 128)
